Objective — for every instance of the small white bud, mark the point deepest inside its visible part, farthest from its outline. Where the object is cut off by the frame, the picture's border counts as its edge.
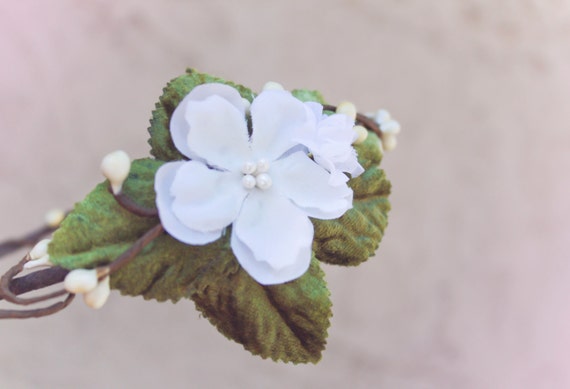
(347, 108)
(54, 217)
(361, 134)
(390, 127)
(389, 142)
(81, 281)
(382, 116)
(41, 262)
(116, 166)
(40, 249)
(98, 297)
(272, 85)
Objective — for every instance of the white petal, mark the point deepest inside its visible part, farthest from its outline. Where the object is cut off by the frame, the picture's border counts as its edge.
(272, 238)
(206, 199)
(316, 108)
(179, 127)
(218, 133)
(307, 185)
(162, 183)
(278, 119)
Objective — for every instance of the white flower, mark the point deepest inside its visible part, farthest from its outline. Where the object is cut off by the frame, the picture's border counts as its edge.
(259, 182)
(330, 142)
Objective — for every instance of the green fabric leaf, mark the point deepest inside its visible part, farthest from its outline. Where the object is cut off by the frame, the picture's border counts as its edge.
(285, 322)
(99, 229)
(308, 95)
(160, 140)
(353, 238)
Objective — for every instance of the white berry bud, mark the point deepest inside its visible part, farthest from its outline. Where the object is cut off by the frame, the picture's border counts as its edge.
(98, 297)
(272, 85)
(81, 281)
(389, 142)
(54, 217)
(116, 166)
(361, 134)
(390, 127)
(382, 116)
(347, 108)
(41, 262)
(40, 249)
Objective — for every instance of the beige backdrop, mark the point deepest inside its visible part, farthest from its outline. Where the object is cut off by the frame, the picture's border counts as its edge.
(470, 287)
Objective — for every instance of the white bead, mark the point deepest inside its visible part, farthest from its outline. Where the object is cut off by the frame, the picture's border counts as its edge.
(80, 281)
(272, 85)
(54, 217)
(249, 168)
(361, 134)
(116, 166)
(389, 142)
(248, 181)
(263, 181)
(40, 262)
(381, 116)
(390, 127)
(347, 108)
(40, 249)
(262, 166)
(98, 297)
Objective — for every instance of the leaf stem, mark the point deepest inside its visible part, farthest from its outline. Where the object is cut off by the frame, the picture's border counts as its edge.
(128, 203)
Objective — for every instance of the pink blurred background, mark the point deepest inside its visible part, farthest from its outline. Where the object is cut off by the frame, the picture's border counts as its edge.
(470, 286)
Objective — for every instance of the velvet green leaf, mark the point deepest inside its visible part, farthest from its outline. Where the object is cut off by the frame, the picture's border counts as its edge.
(308, 95)
(285, 322)
(354, 237)
(160, 140)
(99, 229)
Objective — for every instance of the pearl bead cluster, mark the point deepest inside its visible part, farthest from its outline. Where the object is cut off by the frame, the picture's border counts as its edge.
(255, 175)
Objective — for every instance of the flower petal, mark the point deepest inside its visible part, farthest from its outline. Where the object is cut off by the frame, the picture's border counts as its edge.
(162, 183)
(179, 127)
(206, 199)
(272, 238)
(307, 185)
(218, 133)
(278, 118)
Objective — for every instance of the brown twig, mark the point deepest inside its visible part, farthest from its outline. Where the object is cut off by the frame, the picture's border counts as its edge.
(8, 295)
(136, 248)
(364, 120)
(28, 240)
(39, 312)
(127, 203)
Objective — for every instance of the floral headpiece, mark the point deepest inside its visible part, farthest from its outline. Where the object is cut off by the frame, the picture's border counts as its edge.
(245, 196)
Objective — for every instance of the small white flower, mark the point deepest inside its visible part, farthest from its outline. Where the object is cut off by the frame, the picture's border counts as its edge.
(263, 184)
(330, 141)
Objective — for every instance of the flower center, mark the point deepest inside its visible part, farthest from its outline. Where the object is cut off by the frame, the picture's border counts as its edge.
(255, 175)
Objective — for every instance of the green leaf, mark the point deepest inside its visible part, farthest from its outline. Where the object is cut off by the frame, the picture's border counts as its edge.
(285, 322)
(353, 238)
(308, 95)
(160, 140)
(99, 229)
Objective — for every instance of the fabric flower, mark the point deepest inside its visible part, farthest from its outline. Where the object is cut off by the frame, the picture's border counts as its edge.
(255, 179)
(330, 143)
